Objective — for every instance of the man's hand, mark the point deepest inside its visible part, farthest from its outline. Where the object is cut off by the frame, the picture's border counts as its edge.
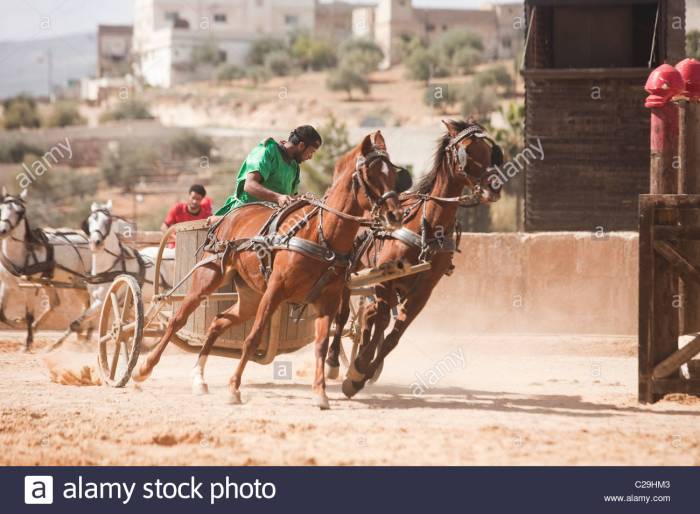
(284, 200)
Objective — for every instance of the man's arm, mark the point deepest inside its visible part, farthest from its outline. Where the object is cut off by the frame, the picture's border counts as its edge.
(253, 186)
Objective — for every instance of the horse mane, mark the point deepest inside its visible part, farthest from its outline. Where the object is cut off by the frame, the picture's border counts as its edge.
(427, 182)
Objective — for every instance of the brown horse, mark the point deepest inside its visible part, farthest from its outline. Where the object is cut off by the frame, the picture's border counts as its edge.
(464, 159)
(366, 184)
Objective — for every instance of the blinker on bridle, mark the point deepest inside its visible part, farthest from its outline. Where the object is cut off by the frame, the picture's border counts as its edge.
(374, 197)
(15, 201)
(460, 153)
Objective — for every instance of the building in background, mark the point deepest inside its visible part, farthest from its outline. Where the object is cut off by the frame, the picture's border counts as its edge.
(114, 50)
(499, 26)
(167, 32)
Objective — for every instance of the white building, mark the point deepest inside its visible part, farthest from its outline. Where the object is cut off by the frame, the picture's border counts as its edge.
(498, 25)
(167, 31)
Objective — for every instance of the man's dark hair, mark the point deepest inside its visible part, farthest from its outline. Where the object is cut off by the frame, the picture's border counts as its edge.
(199, 189)
(306, 134)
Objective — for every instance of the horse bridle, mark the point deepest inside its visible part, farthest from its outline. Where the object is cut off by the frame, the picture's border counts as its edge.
(365, 161)
(86, 224)
(460, 154)
(16, 201)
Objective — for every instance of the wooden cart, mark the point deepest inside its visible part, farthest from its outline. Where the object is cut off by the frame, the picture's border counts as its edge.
(125, 322)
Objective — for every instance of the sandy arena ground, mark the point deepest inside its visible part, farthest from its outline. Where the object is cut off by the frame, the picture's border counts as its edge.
(518, 400)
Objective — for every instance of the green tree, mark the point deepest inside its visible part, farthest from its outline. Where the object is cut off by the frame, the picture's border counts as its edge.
(361, 55)
(229, 72)
(495, 76)
(478, 102)
(318, 173)
(207, 53)
(279, 63)
(123, 166)
(313, 54)
(262, 47)
(457, 52)
(128, 110)
(20, 111)
(65, 114)
(347, 79)
(420, 64)
(189, 144)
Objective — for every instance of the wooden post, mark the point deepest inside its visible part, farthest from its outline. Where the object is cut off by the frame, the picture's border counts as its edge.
(663, 336)
(690, 161)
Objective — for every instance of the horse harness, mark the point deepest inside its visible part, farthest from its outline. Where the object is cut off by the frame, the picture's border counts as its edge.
(269, 240)
(37, 238)
(125, 254)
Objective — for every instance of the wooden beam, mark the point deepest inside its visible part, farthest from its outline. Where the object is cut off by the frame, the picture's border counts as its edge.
(679, 263)
(681, 233)
(676, 385)
(675, 361)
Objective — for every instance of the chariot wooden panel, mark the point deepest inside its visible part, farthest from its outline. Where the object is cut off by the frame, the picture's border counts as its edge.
(284, 330)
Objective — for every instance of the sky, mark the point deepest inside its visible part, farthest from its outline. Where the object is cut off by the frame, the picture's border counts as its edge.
(41, 19)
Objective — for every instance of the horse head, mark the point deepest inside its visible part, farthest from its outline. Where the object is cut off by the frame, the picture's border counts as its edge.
(374, 181)
(13, 210)
(98, 225)
(473, 157)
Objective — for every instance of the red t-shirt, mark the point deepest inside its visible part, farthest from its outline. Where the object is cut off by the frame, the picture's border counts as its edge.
(179, 213)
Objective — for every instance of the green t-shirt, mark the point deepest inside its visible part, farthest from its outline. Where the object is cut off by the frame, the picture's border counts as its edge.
(279, 174)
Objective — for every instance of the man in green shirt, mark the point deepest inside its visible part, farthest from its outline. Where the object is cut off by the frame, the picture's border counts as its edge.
(270, 173)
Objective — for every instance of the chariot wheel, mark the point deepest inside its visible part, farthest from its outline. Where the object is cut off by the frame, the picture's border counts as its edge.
(120, 331)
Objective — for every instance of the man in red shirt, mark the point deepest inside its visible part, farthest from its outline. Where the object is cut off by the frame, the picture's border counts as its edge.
(197, 207)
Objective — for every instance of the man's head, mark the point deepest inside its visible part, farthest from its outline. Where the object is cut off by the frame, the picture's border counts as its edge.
(194, 200)
(303, 143)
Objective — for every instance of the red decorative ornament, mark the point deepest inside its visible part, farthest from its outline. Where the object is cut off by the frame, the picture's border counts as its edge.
(690, 71)
(663, 84)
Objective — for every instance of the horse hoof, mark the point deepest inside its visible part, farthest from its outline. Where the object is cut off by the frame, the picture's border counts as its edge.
(351, 388)
(321, 401)
(235, 398)
(332, 372)
(200, 389)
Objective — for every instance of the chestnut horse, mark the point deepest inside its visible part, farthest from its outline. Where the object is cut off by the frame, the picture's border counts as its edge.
(464, 158)
(365, 185)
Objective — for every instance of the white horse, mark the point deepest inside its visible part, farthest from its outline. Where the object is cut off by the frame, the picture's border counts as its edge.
(36, 257)
(111, 258)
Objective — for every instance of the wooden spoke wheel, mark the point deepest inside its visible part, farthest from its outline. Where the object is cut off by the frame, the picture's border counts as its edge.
(120, 331)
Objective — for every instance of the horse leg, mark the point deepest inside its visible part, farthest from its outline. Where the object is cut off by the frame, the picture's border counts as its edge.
(359, 371)
(323, 327)
(92, 309)
(29, 318)
(411, 309)
(341, 319)
(243, 310)
(205, 281)
(268, 304)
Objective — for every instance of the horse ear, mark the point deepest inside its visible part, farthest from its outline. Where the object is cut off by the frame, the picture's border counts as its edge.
(94, 207)
(4, 191)
(109, 205)
(379, 140)
(367, 145)
(450, 128)
(23, 194)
